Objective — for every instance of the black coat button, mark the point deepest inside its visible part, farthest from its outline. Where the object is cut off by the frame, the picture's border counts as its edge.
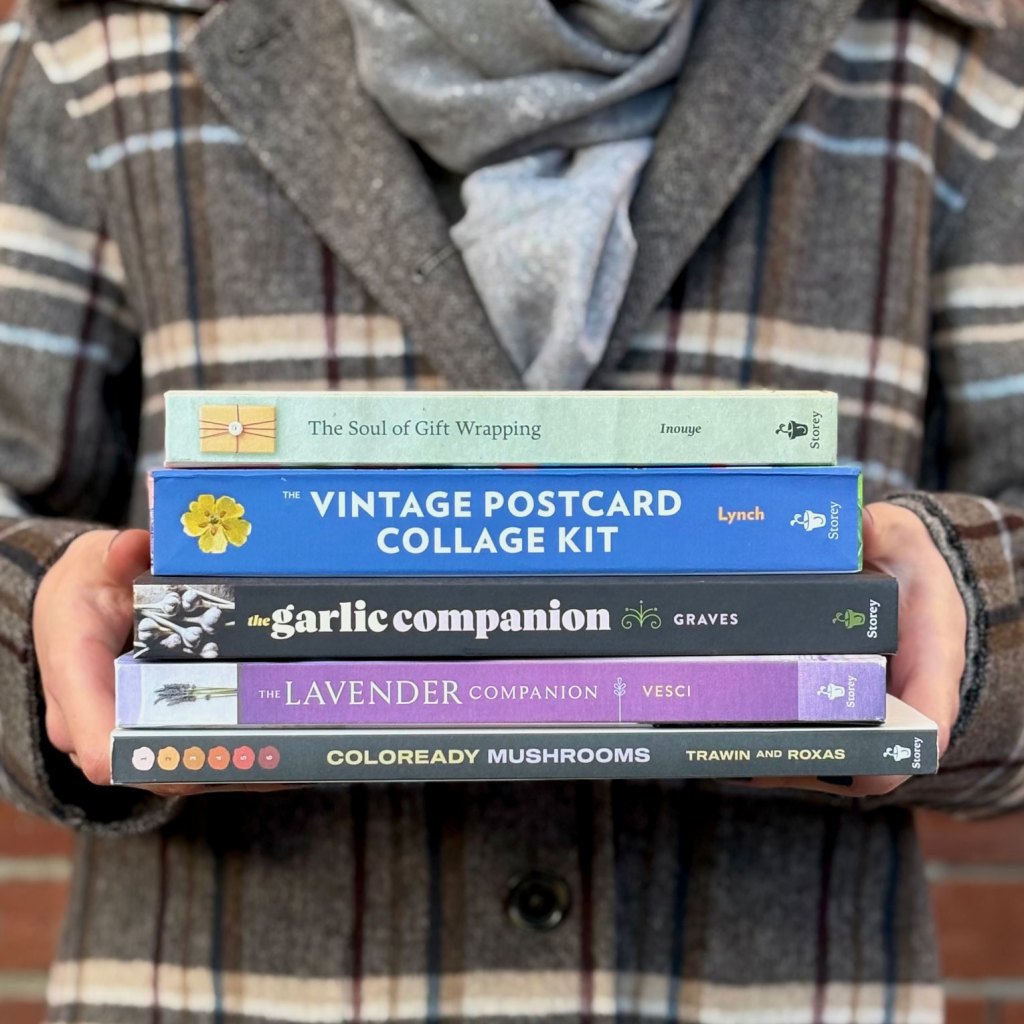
(538, 900)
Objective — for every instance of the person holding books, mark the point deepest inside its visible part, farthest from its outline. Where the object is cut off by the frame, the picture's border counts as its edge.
(343, 194)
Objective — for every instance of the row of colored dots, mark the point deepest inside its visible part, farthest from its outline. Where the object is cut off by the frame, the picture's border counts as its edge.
(193, 758)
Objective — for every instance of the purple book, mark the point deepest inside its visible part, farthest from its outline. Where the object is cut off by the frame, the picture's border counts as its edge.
(839, 688)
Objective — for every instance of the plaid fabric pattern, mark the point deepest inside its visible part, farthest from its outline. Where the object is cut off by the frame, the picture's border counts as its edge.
(195, 195)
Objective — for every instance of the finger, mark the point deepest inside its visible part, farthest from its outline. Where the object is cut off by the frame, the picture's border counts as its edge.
(86, 676)
(927, 669)
(851, 786)
(83, 670)
(81, 618)
(169, 789)
(893, 536)
(57, 728)
(876, 537)
(927, 675)
(127, 556)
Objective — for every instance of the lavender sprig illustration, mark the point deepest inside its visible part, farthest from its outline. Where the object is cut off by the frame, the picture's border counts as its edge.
(188, 693)
(619, 691)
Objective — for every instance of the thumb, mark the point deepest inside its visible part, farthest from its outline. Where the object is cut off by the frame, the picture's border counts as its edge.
(876, 540)
(127, 556)
(892, 537)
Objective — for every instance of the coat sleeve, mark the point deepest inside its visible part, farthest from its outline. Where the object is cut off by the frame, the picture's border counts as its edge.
(69, 387)
(974, 508)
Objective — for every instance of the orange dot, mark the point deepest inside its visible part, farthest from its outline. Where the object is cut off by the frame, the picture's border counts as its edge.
(168, 758)
(218, 759)
(193, 758)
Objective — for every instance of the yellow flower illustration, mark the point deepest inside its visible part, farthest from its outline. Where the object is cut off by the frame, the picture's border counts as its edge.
(216, 523)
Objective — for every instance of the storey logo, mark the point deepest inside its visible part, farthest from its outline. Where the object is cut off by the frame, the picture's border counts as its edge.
(792, 429)
(832, 691)
(809, 520)
(852, 619)
(812, 520)
(898, 752)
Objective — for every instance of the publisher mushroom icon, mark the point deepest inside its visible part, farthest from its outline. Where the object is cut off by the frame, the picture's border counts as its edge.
(269, 757)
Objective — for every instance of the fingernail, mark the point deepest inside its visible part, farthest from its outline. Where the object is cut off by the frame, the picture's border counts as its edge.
(111, 544)
(836, 780)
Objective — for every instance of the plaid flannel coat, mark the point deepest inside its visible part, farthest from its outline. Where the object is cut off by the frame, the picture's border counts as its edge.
(199, 196)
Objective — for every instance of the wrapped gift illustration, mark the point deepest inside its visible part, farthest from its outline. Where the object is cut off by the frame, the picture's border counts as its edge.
(237, 428)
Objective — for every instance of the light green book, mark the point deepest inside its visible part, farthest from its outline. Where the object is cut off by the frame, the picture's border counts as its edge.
(487, 428)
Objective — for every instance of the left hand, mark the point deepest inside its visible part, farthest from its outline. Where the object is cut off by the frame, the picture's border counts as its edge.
(926, 671)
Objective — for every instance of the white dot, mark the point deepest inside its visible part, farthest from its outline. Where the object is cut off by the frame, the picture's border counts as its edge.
(142, 759)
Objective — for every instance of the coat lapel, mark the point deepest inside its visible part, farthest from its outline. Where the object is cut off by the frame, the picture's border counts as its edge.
(284, 74)
(747, 71)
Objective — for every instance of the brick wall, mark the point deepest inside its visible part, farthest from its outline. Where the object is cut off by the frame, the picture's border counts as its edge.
(34, 869)
(977, 873)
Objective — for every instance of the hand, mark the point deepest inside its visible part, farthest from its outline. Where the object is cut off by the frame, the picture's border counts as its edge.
(926, 671)
(81, 621)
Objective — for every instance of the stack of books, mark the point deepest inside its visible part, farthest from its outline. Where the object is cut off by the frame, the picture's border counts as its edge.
(668, 586)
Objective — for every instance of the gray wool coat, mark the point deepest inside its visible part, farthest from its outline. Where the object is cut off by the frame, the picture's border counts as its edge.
(200, 195)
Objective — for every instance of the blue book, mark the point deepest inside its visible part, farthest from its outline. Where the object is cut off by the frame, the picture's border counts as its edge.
(423, 522)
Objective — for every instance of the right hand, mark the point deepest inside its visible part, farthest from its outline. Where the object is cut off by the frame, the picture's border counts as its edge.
(81, 620)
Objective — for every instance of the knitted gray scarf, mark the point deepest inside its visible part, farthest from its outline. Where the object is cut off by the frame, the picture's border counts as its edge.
(550, 109)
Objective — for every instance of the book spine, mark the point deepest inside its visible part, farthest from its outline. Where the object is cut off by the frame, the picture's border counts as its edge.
(525, 692)
(579, 428)
(304, 756)
(313, 619)
(504, 522)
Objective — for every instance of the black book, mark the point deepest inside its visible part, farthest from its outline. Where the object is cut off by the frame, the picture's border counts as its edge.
(907, 744)
(314, 618)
